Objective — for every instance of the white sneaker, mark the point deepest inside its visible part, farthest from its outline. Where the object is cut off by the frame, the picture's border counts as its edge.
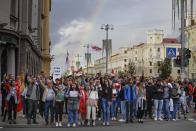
(57, 124)
(121, 120)
(160, 119)
(74, 125)
(114, 118)
(99, 118)
(173, 119)
(107, 123)
(60, 124)
(88, 124)
(94, 123)
(104, 124)
(155, 119)
(68, 125)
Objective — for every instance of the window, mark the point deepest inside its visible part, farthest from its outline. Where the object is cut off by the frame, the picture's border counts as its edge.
(150, 50)
(30, 2)
(125, 52)
(135, 58)
(158, 63)
(150, 63)
(125, 60)
(178, 71)
(158, 49)
(158, 71)
(13, 7)
(150, 70)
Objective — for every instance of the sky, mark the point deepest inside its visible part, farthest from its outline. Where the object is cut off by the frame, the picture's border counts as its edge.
(75, 23)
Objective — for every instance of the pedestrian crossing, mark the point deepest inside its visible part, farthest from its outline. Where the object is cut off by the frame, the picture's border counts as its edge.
(192, 120)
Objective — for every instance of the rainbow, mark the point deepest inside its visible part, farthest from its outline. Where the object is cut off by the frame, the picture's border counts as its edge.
(92, 17)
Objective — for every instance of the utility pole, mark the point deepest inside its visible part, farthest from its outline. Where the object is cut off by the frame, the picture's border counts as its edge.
(182, 40)
(107, 27)
(78, 61)
(86, 56)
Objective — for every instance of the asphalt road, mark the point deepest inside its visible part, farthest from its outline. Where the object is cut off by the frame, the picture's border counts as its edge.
(148, 125)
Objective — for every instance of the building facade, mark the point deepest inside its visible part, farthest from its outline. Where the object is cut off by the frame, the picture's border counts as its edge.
(146, 56)
(191, 44)
(21, 36)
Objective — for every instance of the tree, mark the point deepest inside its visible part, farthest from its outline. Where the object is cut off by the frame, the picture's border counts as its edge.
(131, 68)
(121, 74)
(165, 68)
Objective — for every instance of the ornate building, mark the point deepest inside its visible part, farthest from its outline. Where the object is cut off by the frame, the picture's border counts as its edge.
(23, 31)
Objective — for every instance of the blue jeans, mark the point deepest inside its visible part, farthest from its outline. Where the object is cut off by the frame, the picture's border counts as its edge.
(123, 110)
(114, 108)
(49, 107)
(166, 108)
(176, 106)
(106, 110)
(158, 104)
(72, 116)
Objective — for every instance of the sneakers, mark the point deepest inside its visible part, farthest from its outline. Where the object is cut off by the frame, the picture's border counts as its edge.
(99, 118)
(160, 119)
(107, 123)
(60, 124)
(94, 123)
(121, 120)
(74, 125)
(57, 124)
(68, 125)
(155, 119)
(104, 124)
(88, 124)
(173, 119)
(114, 118)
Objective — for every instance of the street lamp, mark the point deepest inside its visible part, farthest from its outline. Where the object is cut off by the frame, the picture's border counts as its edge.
(107, 27)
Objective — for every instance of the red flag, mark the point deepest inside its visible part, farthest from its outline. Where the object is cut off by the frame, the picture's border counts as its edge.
(96, 48)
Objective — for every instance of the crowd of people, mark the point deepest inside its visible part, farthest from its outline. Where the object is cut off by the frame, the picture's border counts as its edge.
(88, 99)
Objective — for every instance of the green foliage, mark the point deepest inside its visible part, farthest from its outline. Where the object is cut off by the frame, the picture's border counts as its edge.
(165, 68)
(121, 74)
(131, 68)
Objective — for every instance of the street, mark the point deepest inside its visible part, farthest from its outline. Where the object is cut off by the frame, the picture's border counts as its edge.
(179, 125)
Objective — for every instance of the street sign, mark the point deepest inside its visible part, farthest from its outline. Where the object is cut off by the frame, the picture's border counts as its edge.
(170, 52)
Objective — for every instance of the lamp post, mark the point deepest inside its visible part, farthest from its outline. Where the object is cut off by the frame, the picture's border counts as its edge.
(107, 27)
(87, 57)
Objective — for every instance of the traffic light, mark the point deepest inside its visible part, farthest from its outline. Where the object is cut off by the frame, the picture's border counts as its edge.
(187, 53)
(178, 60)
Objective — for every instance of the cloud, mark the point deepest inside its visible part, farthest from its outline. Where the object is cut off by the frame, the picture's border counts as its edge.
(71, 37)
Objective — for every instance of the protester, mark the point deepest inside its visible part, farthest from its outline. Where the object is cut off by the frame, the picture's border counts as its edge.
(59, 102)
(92, 103)
(73, 96)
(32, 95)
(106, 101)
(49, 99)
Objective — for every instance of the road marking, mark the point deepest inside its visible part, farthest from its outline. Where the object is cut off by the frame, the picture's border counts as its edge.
(191, 119)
